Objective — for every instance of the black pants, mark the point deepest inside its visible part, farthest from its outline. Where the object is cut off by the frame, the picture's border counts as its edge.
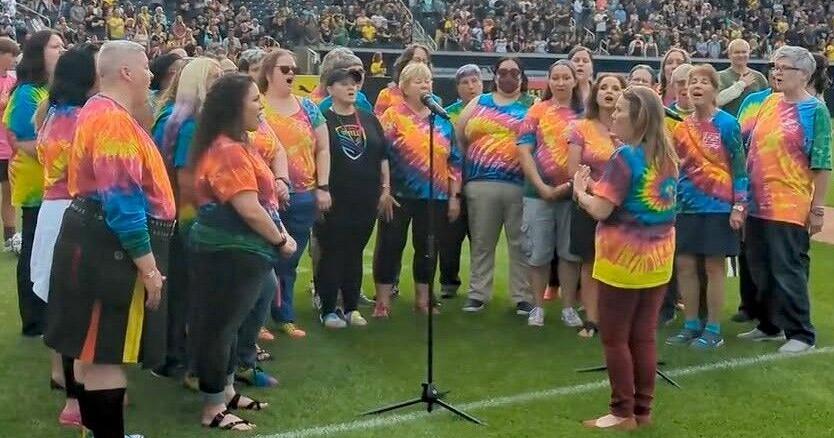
(342, 238)
(450, 248)
(777, 254)
(225, 286)
(178, 301)
(32, 308)
(747, 288)
(394, 234)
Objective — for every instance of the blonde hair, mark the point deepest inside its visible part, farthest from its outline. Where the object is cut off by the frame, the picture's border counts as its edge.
(681, 73)
(646, 114)
(735, 43)
(412, 72)
(193, 83)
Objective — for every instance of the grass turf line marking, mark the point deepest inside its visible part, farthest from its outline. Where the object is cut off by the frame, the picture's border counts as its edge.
(392, 420)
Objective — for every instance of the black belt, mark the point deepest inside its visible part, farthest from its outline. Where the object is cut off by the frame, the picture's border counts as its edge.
(92, 209)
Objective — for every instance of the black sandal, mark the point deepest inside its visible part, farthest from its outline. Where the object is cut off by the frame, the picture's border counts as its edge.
(262, 355)
(218, 420)
(589, 330)
(55, 386)
(254, 405)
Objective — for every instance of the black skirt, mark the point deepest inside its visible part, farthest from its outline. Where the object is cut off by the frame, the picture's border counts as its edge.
(96, 311)
(707, 234)
(583, 230)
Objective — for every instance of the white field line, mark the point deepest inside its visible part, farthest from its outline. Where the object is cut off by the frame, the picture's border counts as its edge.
(392, 420)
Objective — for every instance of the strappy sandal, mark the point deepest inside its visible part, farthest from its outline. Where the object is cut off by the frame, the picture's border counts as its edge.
(589, 330)
(254, 405)
(262, 355)
(381, 311)
(218, 420)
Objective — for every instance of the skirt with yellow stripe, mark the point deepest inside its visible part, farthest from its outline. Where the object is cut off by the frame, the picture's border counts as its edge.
(96, 311)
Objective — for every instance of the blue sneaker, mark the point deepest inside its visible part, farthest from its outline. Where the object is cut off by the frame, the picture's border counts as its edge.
(707, 341)
(332, 321)
(683, 337)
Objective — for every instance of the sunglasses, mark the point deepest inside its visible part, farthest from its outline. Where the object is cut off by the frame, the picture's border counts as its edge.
(359, 70)
(286, 69)
(512, 72)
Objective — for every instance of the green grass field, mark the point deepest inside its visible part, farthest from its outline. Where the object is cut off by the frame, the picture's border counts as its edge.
(330, 377)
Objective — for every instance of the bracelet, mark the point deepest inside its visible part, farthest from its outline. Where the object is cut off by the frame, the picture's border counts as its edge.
(283, 180)
(386, 186)
(323, 187)
(818, 211)
(283, 242)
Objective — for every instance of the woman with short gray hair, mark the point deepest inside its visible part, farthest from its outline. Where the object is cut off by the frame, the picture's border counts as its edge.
(789, 164)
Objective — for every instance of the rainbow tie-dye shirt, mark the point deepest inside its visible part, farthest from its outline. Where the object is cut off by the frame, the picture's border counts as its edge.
(747, 112)
(25, 172)
(408, 136)
(298, 135)
(226, 169)
(454, 111)
(388, 97)
(54, 141)
(596, 144)
(545, 129)
(266, 143)
(635, 245)
(713, 175)
(492, 132)
(788, 142)
(114, 161)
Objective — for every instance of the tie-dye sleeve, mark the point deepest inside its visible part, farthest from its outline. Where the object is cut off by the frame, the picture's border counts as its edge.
(20, 112)
(184, 138)
(314, 114)
(615, 183)
(455, 157)
(575, 136)
(118, 171)
(821, 147)
(528, 128)
(229, 172)
(731, 137)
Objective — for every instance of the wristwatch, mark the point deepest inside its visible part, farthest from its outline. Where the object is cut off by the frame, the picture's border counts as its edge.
(323, 187)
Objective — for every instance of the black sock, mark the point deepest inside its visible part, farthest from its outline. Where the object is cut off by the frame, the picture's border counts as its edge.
(73, 388)
(84, 408)
(107, 410)
(8, 232)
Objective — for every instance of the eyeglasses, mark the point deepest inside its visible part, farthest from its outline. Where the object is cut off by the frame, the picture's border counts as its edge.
(513, 72)
(783, 68)
(358, 70)
(286, 69)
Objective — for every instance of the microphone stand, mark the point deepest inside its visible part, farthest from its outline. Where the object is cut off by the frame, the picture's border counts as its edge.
(430, 395)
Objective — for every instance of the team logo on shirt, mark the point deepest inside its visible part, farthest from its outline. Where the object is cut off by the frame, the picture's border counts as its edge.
(351, 140)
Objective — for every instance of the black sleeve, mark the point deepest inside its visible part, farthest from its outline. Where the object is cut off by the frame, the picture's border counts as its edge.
(376, 136)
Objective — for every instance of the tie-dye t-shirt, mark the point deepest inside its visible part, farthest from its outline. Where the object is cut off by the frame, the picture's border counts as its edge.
(318, 94)
(266, 143)
(7, 84)
(595, 142)
(635, 246)
(454, 110)
(54, 140)
(788, 142)
(25, 172)
(113, 160)
(388, 97)
(408, 136)
(713, 175)
(748, 111)
(298, 135)
(674, 115)
(492, 132)
(546, 129)
(362, 103)
(226, 169)
(174, 143)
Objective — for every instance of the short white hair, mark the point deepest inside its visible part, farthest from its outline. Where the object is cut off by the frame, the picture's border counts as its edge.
(800, 57)
(113, 55)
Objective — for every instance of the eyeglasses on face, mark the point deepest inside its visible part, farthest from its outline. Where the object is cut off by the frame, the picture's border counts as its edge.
(286, 69)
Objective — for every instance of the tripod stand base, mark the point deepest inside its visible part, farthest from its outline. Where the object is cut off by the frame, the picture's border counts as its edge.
(430, 396)
(659, 372)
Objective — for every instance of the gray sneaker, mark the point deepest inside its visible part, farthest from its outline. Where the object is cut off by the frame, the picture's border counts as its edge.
(683, 337)
(473, 306)
(364, 301)
(795, 346)
(523, 308)
(757, 335)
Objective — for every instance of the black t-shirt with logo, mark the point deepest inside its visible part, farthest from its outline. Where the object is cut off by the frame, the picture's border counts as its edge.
(357, 148)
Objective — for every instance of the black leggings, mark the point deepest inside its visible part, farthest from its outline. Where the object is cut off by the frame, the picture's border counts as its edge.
(342, 238)
(32, 308)
(394, 234)
(225, 286)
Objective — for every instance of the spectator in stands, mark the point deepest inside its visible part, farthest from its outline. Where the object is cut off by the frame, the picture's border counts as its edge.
(547, 202)
(9, 50)
(591, 144)
(300, 126)
(671, 60)
(378, 67)
(738, 81)
(583, 62)
(644, 75)
(792, 128)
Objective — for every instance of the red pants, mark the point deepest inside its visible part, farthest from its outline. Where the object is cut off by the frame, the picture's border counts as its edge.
(627, 326)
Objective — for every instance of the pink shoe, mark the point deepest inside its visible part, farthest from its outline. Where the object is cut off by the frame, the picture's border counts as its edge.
(70, 418)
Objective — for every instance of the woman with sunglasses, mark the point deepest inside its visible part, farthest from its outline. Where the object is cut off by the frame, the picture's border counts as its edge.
(301, 128)
(359, 184)
(406, 129)
(591, 144)
(487, 131)
(543, 150)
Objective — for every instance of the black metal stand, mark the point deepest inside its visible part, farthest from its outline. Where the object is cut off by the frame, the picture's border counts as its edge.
(430, 395)
(660, 373)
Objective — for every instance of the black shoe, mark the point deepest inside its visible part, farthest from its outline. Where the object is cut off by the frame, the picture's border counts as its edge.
(473, 306)
(449, 291)
(523, 308)
(364, 301)
(741, 316)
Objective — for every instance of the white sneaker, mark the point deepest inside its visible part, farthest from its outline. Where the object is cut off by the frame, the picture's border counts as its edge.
(355, 319)
(571, 318)
(536, 317)
(757, 335)
(15, 243)
(332, 321)
(795, 346)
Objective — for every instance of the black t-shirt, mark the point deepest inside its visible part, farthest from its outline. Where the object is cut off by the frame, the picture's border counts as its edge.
(356, 152)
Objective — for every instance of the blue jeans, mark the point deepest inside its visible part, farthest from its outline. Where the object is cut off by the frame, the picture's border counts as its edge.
(298, 219)
(247, 336)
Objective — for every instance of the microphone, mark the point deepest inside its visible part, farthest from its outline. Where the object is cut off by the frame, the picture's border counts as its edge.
(428, 100)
